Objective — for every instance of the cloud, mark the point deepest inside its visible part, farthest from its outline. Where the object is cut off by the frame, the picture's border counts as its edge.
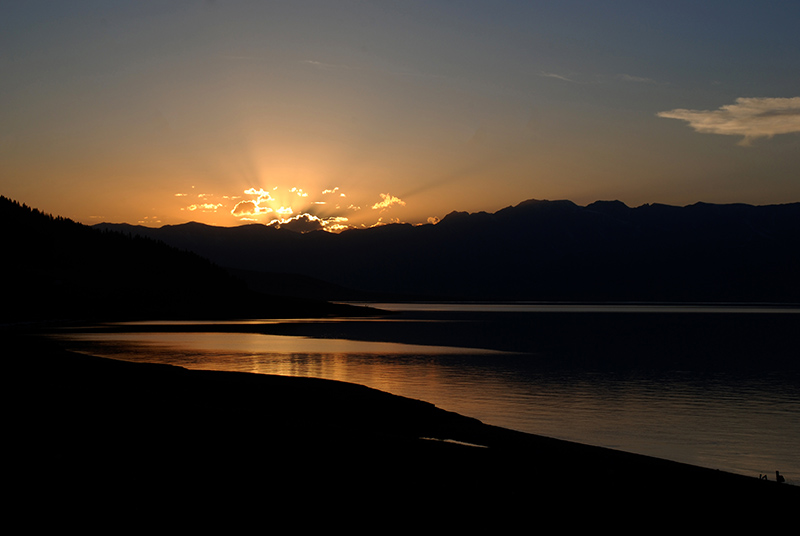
(381, 223)
(637, 79)
(388, 201)
(302, 223)
(328, 66)
(150, 219)
(557, 76)
(299, 192)
(249, 208)
(333, 191)
(252, 207)
(305, 223)
(205, 207)
(261, 193)
(335, 224)
(749, 117)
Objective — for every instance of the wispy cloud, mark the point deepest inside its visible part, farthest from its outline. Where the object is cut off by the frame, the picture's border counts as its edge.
(749, 117)
(388, 201)
(328, 66)
(557, 76)
(636, 79)
(333, 191)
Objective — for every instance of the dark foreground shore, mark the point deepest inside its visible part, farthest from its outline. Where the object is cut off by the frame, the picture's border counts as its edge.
(107, 428)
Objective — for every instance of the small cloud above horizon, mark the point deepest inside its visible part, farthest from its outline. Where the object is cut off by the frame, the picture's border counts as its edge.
(204, 207)
(387, 202)
(260, 193)
(759, 117)
(245, 209)
(299, 192)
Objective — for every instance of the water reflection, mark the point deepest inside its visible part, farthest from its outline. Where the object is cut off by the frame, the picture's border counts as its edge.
(748, 425)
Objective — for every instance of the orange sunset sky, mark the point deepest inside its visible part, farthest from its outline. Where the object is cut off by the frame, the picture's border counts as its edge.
(356, 113)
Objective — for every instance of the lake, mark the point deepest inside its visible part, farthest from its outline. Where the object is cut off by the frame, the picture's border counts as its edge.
(715, 386)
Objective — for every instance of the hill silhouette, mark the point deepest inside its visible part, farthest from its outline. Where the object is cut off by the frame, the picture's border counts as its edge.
(536, 250)
(56, 268)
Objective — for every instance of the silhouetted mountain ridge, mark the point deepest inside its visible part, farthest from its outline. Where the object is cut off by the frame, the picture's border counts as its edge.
(536, 250)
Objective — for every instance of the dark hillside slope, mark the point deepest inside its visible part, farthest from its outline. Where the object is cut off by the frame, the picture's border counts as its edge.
(55, 268)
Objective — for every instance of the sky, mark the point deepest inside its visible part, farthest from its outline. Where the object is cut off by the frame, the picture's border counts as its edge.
(337, 113)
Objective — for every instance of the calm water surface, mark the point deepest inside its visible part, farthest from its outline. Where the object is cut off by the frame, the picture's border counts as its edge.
(743, 423)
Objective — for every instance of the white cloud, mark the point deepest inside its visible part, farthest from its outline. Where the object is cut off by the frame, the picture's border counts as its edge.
(205, 207)
(299, 192)
(557, 76)
(261, 193)
(749, 117)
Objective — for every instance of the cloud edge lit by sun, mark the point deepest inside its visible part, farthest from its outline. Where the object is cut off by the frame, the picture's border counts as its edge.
(750, 117)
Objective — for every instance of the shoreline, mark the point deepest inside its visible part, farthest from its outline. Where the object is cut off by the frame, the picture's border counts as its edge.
(112, 421)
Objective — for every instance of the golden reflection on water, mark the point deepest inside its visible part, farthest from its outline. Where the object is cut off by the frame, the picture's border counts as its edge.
(721, 422)
(273, 344)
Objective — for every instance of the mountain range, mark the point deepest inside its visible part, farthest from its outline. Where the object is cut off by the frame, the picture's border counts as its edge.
(537, 250)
